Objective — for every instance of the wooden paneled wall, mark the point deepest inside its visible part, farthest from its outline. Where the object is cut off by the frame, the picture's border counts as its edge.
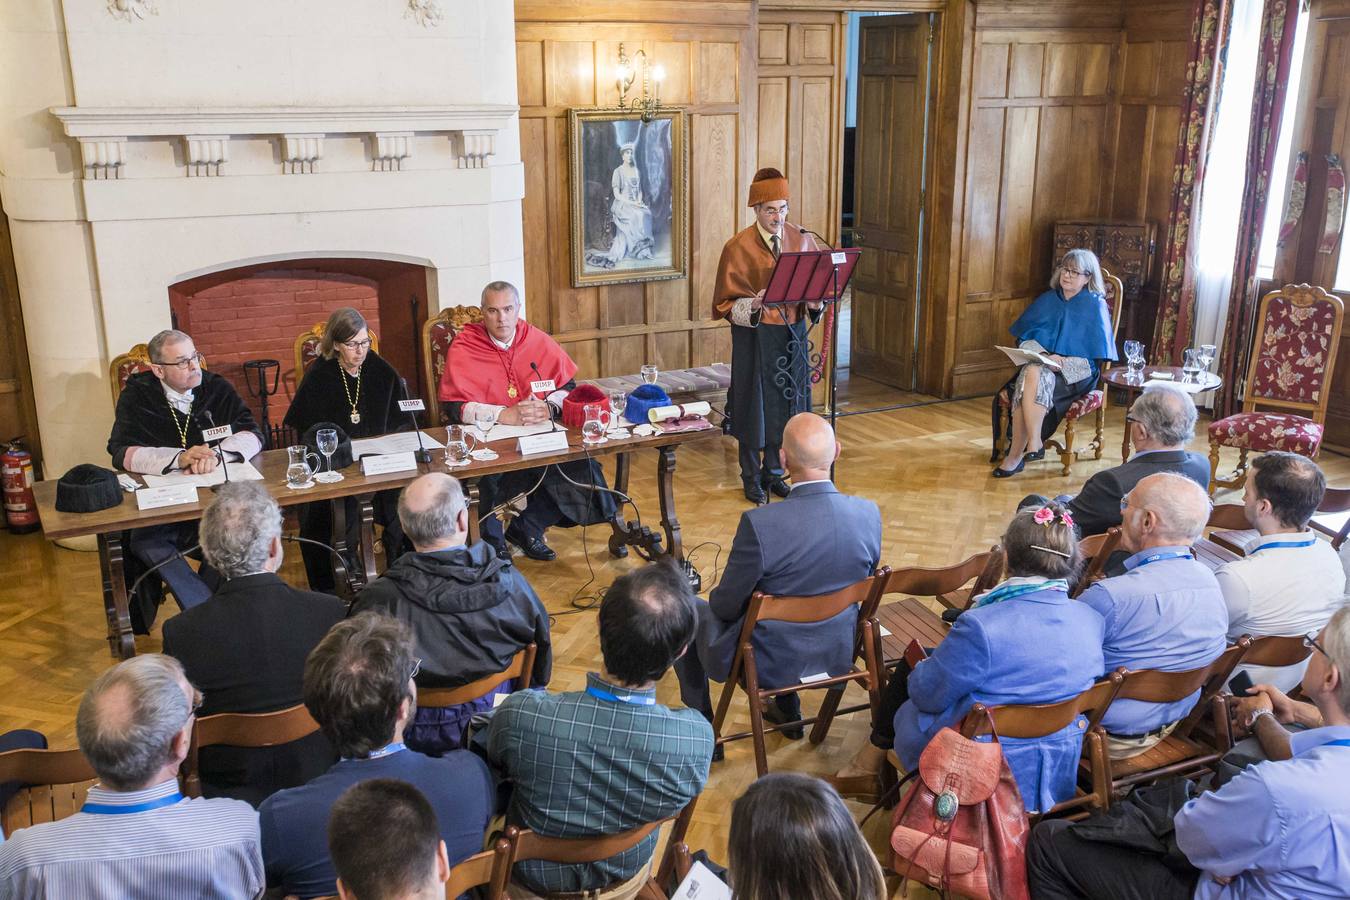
(565, 55)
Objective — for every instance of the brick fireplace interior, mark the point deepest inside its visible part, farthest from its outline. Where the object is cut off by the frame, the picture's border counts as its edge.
(257, 312)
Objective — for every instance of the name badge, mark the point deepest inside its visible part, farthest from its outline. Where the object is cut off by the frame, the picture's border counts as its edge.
(411, 405)
(546, 442)
(543, 387)
(219, 433)
(173, 495)
(388, 462)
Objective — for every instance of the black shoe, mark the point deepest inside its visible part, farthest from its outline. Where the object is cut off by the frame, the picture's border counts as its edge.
(502, 551)
(1000, 472)
(777, 717)
(533, 547)
(755, 494)
(1035, 456)
(719, 752)
(779, 487)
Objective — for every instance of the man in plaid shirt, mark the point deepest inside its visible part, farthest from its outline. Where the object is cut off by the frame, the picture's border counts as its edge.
(610, 758)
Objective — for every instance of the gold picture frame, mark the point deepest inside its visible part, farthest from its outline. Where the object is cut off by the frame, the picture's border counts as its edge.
(629, 195)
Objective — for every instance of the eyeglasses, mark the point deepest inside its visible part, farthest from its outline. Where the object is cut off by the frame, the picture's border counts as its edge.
(417, 667)
(357, 345)
(185, 363)
(1310, 641)
(1067, 271)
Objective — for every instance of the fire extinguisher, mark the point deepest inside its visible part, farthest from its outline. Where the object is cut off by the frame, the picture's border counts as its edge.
(16, 467)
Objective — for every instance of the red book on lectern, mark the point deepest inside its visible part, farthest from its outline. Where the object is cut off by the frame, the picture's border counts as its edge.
(809, 277)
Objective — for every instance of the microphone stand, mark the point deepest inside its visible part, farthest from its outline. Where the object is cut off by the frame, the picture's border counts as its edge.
(833, 389)
(423, 455)
(220, 451)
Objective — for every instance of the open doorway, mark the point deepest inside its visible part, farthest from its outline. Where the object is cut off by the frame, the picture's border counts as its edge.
(887, 110)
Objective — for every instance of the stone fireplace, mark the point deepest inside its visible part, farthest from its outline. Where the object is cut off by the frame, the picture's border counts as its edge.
(260, 167)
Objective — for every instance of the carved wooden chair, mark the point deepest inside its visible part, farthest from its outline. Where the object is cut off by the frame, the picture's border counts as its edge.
(1040, 720)
(522, 664)
(58, 781)
(243, 730)
(124, 365)
(1094, 401)
(1096, 552)
(307, 348)
(767, 608)
(1285, 405)
(437, 334)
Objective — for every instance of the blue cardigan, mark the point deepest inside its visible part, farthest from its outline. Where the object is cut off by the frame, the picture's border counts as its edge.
(1040, 647)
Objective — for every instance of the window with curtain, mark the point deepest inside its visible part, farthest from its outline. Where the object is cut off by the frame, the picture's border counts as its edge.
(1279, 176)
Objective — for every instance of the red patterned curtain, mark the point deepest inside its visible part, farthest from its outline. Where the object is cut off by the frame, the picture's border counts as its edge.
(1210, 20)
(1274, 58)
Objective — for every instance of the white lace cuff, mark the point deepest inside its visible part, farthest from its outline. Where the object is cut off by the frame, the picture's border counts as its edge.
(743, 314)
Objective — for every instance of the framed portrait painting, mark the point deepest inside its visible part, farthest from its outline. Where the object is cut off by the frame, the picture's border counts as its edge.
(630, 196)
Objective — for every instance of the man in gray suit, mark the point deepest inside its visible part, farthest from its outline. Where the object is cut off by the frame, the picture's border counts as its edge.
(1161, 423)
(815, 541)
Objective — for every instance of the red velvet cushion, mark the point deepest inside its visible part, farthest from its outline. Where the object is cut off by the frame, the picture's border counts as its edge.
(1268, 431)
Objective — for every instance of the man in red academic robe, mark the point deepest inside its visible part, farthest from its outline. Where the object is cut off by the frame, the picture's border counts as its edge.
(762, 336)
(500, 364)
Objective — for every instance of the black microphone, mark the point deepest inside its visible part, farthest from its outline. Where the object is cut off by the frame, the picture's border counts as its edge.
(220, 451)
(553, 426)
(801, 230)
(423, 455)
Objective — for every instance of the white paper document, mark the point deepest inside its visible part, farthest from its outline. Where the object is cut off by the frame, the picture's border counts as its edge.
(701, 884)
(512, 432)
(1022, 357)
(238, 471)
(398, 442)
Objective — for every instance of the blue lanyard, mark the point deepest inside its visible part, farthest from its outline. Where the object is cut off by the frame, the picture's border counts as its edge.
(1343, 742)
(1308, 543)
(387, 750)
(634, 699)
(1166, 554)
(115, 809)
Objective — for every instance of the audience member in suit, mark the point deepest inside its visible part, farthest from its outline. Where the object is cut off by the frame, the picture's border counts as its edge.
(386, 844)
(815, 541)
(1023, 642)
(135, 835)
(609, 758)
(1161, 423)
(246, 648)
(1165, 612)
(1278, 829)
(469, 610)
(359, 688)
(1290, 581)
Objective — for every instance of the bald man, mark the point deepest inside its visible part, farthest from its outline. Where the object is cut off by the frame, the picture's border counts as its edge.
(815, 541)
(470, 611)
(1165, 612)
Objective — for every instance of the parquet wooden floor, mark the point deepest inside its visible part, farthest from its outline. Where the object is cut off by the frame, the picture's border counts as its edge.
(925, 466)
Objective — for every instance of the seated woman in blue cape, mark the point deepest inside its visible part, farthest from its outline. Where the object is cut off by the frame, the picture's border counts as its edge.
(1069, 323)
(1023, 642)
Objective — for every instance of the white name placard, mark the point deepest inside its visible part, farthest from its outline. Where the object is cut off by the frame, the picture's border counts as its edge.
(173, 495)
(543, 387)
(219, 433)
(838, 257)
(547, 442)
(411, 405)
(388, 462)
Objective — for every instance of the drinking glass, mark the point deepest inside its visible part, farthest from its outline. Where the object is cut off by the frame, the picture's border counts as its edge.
(1207, 354)
(484, 418)
(1134, 358)
(327, 440)
(459, 443)
(618, 401)
(1190, 365)
(595, 422)
(649, 373)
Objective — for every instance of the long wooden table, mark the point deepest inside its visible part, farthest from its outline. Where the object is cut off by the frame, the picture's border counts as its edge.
(108, 525)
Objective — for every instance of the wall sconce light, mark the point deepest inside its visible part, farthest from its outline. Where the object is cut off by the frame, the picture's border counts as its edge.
(627, 72)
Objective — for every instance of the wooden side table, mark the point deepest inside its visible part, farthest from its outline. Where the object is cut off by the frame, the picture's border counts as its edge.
(1119, 377)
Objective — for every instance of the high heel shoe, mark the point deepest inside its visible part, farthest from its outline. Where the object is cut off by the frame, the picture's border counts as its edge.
(1000, 472)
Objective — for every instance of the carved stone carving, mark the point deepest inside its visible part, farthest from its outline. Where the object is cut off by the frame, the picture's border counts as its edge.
(427, 13)
(131, 10)
(300, 153)
(103, 157)
(206, 153)
(391, 149)
(473, 148)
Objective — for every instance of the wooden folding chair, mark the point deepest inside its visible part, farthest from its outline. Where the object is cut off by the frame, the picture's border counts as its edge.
(768, 608)
(1333, 516)
(1095, 552)
(57, 780)
(520, 668)
(1275, 652)
(251, 730)
(1178, 753)
(1230, 528)
(491, 868)
(525, 844)
(1042, 719)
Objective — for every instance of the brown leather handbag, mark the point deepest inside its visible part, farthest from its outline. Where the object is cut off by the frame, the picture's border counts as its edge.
(962, 827)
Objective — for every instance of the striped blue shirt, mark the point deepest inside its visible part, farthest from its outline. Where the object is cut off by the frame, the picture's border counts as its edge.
(192, 848)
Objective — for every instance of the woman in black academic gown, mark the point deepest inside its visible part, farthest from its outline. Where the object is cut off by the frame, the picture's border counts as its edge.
(352, 387)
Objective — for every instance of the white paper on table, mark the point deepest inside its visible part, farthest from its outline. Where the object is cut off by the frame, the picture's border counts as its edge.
(239, 471)
(511, 432)
(1190, 387)
(398, 442)
(701, 884)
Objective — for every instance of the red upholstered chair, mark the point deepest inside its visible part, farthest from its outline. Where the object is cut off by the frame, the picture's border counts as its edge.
(1094, 401)
(307, 348)
(124, 365)
(1285, 406)
(437, 333)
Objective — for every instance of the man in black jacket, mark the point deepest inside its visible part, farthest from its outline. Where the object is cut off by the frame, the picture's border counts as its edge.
(469, 610)
(1161, 423)
(245, 647)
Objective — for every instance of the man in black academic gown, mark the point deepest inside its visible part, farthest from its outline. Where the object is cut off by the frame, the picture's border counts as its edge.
(161, 415)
